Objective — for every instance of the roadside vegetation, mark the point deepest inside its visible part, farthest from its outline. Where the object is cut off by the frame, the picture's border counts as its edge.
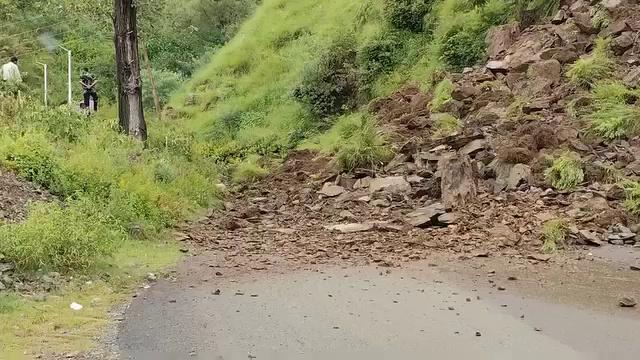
(566, 171)
(554, 234)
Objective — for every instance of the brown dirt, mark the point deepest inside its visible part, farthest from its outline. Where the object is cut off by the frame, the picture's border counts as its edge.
(16, 194)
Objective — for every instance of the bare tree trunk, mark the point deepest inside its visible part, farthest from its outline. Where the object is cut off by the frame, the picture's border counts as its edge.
(130, 111)
(152, 80)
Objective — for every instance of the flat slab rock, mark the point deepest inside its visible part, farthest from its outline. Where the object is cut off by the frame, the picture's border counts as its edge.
(391, 183)
(331, 190)
(350, 228)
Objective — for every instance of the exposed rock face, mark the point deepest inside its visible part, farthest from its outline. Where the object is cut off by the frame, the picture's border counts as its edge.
(500, 39)
(459, 182)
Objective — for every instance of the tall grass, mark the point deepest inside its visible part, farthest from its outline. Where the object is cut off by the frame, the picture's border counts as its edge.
(593, 68)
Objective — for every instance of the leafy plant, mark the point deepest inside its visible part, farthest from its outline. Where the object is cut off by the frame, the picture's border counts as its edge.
(554, 234)
(441, 95)
(565, 172)
(614, 121)
(597, 66)
(378, 56)
(632, 202)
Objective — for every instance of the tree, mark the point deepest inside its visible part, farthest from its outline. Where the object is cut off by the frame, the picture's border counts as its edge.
(130, 111)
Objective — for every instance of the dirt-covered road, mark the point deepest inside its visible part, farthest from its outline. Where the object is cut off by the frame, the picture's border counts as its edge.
(439, 309)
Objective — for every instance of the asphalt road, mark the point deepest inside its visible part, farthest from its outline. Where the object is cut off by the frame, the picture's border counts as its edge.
(366, 313)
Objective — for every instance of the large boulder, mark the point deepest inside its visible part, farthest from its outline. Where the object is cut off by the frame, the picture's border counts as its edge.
(459, 182)
(544, 75)
(623, 42)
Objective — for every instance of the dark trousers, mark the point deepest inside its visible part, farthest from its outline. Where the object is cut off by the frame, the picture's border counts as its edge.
(88, 95)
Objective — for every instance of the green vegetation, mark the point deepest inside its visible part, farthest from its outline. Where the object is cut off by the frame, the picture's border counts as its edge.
(565, 172)
(593, 68)
(249, 170)
(441, 95)
(277, 84)
(632, 202)
(554, 234)
(445, 125)
(109, 183)
(355, 141)
(613, 114)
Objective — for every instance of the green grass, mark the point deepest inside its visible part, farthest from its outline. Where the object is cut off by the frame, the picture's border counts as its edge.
(249, 170)
(593, 68)
(445, 125)
(356, 142)
(554, 234)
(441, 95)
(613, 116)
(632, 202)
(565, 172)
(29, 327)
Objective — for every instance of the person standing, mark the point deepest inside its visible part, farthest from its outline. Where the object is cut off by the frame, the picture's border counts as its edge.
(89, 82)
(11, 72)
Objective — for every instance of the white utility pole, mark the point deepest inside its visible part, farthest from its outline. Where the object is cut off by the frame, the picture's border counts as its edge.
(46, 83)
(69, 69)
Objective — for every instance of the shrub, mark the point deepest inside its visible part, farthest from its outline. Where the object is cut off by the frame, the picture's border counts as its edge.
(32, 156)
(462, 48)
(362, 145)
(331, 85)
(446, 125)
(57, 238)
(407, 14)
(554, 234)
(612, 92)
(378, 56)
(593, 68)
(441, 95)
(565, 172)
(249, 170)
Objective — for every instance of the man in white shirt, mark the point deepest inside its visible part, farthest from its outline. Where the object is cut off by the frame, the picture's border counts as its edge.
(10, 71)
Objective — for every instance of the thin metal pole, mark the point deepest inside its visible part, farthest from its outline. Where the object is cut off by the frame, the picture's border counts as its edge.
(69, 69)
(46, 83)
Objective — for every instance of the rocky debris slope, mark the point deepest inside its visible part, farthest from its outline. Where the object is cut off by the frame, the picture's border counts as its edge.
(478, 192)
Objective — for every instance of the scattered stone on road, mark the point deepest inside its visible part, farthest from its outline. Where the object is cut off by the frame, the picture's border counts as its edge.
(627, 302)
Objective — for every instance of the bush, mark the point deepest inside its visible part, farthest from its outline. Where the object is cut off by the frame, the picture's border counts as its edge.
(554, 234)
(378, 56)
(593, 68)
(362, 145)
(57, 238)
(441, 95)
(249, 170)
(32, 156)
(445, 125)
(462, 48)
(565, 172)
(331, 85)
(407, 14)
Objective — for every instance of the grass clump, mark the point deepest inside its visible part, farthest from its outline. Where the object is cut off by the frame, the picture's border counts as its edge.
(249, 170)
(632, 202)
(462, 48)
(593, 68)
(355, 141)
(554, 234)
(565, 172)
(613, 117)
(445, 125)
(59, 238)
(441, 94)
